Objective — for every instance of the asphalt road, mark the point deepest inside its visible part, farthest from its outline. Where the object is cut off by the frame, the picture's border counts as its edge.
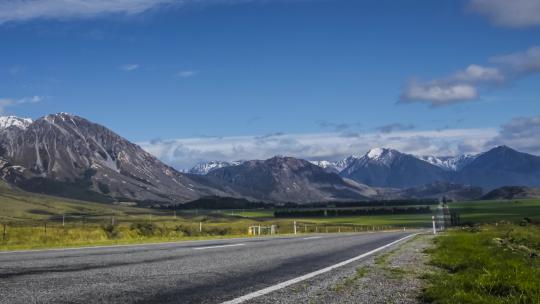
(187, 272)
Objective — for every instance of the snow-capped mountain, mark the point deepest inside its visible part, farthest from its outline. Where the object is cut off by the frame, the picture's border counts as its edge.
(13, 121)
(207, 167)
(335, 167)
(328, 166)
(450, 163)
(381, 167)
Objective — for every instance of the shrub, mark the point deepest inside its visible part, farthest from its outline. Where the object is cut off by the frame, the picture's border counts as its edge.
(145, 229)
(111, 231)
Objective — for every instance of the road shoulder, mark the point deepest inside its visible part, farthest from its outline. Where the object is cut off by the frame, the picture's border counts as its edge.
(392, 276)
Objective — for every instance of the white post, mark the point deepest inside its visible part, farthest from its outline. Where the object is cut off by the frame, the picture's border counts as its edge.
(339, 230)
(433, 220)
(200, 226)
(294, 227)
(63, 220)
(259, 229)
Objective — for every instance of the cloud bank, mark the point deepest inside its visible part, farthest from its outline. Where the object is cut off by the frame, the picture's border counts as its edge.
(184, 153)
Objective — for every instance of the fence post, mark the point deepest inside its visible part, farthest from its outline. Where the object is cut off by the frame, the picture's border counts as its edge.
(433, 220)
(63, 220)
(294, 223)
(4, 234)
(200, 226)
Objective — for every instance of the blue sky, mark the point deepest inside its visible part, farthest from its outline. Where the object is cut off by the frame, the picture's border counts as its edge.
(320, 79)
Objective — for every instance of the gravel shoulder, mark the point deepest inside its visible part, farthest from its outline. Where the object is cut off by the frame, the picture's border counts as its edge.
(392, 276)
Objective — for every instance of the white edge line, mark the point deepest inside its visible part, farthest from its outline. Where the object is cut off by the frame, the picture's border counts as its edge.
(218, 246)
(312, 238)
(270, 289)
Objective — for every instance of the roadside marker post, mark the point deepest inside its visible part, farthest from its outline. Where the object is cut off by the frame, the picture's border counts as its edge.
(200, 226)
(63, 220)
(434, 228)
(294, 223)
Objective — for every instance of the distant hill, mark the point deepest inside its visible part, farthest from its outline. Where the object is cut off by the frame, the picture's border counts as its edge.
(501, 166)
(287, 179)
(512, 192)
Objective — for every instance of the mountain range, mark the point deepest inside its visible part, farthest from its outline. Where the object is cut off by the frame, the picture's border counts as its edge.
(67, 155)
(388, 168)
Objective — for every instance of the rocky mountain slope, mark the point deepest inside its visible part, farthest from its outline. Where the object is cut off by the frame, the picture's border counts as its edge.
(68, 155)
(288, 179)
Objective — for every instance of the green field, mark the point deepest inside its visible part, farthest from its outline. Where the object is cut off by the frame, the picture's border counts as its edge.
(493, 211)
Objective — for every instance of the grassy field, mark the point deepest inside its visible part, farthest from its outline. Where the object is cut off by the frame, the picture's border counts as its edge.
(35, 221)
(487, 264)
(494, 211)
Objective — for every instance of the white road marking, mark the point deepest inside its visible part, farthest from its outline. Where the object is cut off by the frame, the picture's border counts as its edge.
(218, 246)
(312, 238)
(270, 289)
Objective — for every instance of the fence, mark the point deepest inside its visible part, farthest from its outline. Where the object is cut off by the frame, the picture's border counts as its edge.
(67, 230)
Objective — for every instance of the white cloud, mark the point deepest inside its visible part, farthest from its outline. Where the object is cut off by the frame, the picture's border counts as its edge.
(130, 67)
(184, 153)
(437, 93)
(25, 10)
(476, 73)
(509, 13)
(464, 85)
(9, 102)
(22, 10)
(186, 73)
(520, 63)
(521, 133)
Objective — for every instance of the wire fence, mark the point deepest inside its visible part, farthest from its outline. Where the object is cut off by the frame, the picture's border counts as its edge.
(88, 229)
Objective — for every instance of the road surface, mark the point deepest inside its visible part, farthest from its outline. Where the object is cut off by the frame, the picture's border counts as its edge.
(187, 272)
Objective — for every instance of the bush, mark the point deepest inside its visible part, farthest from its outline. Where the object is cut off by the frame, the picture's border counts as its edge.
(111, 231)
(145, 229)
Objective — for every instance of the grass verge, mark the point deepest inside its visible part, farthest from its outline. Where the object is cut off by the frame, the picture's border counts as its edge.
(487, 264)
